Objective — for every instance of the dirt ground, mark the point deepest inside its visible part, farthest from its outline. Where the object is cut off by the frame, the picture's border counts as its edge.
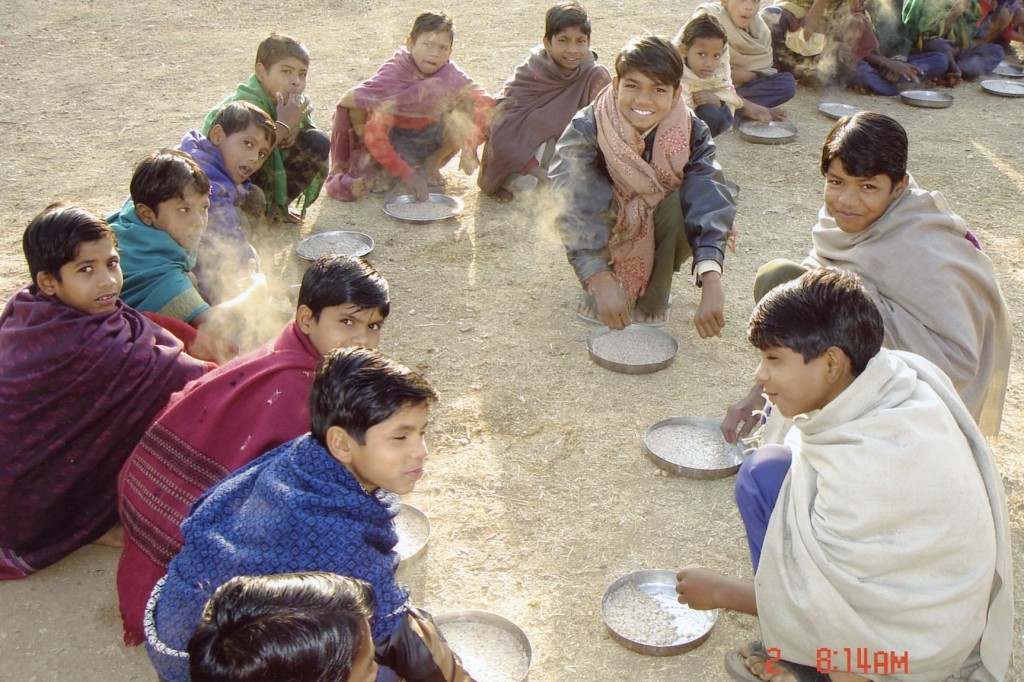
(538, 490)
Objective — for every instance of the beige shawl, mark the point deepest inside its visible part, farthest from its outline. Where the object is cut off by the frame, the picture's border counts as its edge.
(891, 531)
(938, 295)
(719, 83)
(750, 48)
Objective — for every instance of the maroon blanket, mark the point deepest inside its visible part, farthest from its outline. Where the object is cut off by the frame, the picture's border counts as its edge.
(231, 416)
(77, 391)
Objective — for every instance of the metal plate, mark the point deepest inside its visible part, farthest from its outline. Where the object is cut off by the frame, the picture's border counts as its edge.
(776, 132)
(836, 110)
(441, 207)
(637, 349)
(693, 626)
(342, 242)
(413, 528)
(725, 461)
(1003, 88)
(929, 99)
(1009, 70)
(485, 620)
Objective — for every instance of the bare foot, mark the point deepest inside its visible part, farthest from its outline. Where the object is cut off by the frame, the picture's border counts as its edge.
(112, 538)
(383, 182)
(779, 114)
(586, 309)
(434, 178)
(502, 195)
(641, 316)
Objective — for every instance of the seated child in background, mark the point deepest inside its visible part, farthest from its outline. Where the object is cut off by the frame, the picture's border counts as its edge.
(759, 84)
(298, 162)
(707, 84)
(938, 294)
(558, 79)
(299, 627)
(636, 169)
(892, 63)
(884, 509)
(239, 142)
(232, 416)
(950, 28)
(325, 501)
(158, 232)
(413, 115)
(81, 377)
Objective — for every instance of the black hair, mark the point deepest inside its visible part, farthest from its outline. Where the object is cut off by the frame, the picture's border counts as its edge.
(52, 239)
(164, 175)
(820, 309)
(702, 25)
(300, 627)
(652, 56)
(358, 388)
(278, 46)
(432, 21)
(564, 16)
(338, 280)
(236, 116)
(867, 144)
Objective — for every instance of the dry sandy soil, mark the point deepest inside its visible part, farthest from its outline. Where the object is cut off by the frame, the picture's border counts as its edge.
(539, 493)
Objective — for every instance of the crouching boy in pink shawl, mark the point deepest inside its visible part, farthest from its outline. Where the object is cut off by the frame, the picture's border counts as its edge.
(880, 526)
(409, 119)
(81, 377)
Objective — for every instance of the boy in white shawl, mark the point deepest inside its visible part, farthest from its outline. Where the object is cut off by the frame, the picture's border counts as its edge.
(880, 527)
(707, 84)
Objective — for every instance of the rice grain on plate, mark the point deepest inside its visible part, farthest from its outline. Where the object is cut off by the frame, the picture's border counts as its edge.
(691, 446)
(633, 347)
(422, 210)
(488, 654)
(412, 535)
(652, 620)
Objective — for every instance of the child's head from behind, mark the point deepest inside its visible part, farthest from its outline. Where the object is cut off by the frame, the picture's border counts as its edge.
(702, 44)
(245, 135)
(430, 41)
(567, 34)
(647, 75)
(343, 301)
(72, 255)
(371, 415)
(172, 193)
(301, 627)
(864, 161)
(282, 64)
(742, 12)
(816, 334)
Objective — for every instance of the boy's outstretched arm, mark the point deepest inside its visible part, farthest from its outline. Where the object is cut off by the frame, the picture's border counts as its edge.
(703, 589)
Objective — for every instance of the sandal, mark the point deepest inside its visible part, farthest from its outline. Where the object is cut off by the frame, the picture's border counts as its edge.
(736, 666)
(585, 300)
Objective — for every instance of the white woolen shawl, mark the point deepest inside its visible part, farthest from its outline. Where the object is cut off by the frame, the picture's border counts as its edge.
(938, 295)
(749, 48)
(891, 531)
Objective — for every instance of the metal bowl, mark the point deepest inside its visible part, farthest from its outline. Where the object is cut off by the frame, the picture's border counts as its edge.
(413, 528)
(341, 242)
(775, 132)
(1003, 88)
(633, 335)
(929, 99)
(694, 626)
(286, 302)
(836, 110)
(485, 620)
(396, 207)
(1009, 70)
(719, 464)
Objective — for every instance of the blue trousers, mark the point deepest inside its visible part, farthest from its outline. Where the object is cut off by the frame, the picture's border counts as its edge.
(719, 119)
(932, 64)
(769, 91)
(970, 63)
(757, 489)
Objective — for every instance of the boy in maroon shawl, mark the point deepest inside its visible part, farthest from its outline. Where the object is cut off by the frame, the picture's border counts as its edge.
(232, 416)
(410, 118)
(558, 79)
(81, 377)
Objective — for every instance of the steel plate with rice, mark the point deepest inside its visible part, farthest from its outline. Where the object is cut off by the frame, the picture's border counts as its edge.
(642, 612)
(1009, 70)
(413, 528)
(776, 132)
(929, 99)
(637, 349)
(692, 447)
(836, 110)
(436, 207)
(1003, 88)
(342, 242)
(492, 648)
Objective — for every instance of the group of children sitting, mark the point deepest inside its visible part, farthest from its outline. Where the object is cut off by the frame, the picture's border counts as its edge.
(284, 464)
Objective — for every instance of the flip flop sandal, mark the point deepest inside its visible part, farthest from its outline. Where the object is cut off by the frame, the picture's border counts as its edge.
(586, 300)
(736, 666)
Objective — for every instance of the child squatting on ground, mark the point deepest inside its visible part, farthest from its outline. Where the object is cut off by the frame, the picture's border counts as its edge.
(878, 522)
(233, 415)
(560, 77)
(635, 171)
(298, 162)
(408, 120)
(707, 83)
(81, 377)
(299, 627)
(325, 501)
